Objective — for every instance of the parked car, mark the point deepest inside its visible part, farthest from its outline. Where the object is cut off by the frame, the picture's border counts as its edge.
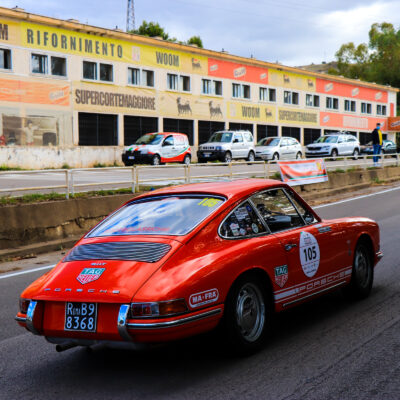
(278, 148)
(388, 147)
(178, 261)
(158, 148)
(226, 146)
(333, 145)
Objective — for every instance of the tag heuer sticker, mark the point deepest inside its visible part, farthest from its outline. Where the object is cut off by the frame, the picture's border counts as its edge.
(89, 275)
(281, 275)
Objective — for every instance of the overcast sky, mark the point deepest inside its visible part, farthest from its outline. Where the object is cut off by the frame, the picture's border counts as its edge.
(292, 32)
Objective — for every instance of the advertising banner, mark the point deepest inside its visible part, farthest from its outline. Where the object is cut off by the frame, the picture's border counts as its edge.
(343, 121)
(292, 116)
(394, 124)
(292, 81)
(251, 112)
(303, 172)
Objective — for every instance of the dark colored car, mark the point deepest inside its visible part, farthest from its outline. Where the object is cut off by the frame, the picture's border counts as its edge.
(388, 147)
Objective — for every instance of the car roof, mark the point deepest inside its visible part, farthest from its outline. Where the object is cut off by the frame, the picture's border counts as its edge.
(232, 190)
(166, 133)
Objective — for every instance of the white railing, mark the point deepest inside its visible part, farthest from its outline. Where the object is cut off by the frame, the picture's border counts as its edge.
(161, 174)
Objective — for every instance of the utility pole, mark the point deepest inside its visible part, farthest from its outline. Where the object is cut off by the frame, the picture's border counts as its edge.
(130, 15)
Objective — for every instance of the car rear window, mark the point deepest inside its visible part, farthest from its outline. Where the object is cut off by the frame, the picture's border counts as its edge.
(167, 215)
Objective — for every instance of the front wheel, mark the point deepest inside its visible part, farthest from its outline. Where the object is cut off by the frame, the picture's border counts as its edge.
(362, 275)
(156, 160)
(298, 156)
(334, 154)
(355, 154)
(186, 159)
(248, 315)
(228, 157)
(275, 157)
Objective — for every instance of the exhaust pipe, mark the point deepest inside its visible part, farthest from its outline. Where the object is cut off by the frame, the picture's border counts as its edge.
(65, 346)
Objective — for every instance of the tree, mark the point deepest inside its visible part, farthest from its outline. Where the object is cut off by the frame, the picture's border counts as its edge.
(196, 40)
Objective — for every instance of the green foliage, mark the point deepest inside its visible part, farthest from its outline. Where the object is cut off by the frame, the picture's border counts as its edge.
(5, 168)
(379, 61)
(196, 40)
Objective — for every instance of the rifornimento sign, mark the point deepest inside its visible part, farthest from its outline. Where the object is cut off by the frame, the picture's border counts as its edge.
(120, 100)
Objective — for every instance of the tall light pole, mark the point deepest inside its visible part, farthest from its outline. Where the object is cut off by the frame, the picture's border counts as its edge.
(130, 15)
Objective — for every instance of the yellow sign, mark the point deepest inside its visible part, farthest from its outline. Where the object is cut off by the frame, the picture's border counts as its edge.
(292, 81)
(9, 32)
(251, 112)
(293, 116)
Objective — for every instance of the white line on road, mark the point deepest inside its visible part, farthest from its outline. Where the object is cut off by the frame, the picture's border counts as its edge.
(358, 197)
(27, 271)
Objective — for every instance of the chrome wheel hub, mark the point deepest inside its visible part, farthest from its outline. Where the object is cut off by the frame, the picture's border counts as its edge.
(362, 270)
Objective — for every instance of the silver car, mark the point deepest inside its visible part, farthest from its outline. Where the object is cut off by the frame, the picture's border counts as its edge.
(279, 148)
(333, 145)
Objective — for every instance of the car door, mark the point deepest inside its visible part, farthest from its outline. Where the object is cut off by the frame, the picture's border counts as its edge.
(237, 145)
(342, 145)
(284, 149)
(168, 148)
(292, 148)
(315, 251)
(178, 148)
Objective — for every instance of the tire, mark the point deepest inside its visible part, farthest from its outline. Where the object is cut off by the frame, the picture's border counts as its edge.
(186, 159)
(248, 315)
(251, 157)
(298, 155)
(275, 157)
(362, 275)
(156, 160)
(334, 154)
(356, 152)
(201, 160)
(228, 157)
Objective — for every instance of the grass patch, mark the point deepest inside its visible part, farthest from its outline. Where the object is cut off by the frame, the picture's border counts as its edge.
(337, 171)
(377, 181)
(5, 168)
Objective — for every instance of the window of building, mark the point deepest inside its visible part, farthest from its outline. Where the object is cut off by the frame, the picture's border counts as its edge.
(380, 109)
(290, 97)
(211, 87)
(312, 100)
(148, 78)
(106, 72)
(133, 76)
(272, 94)
(89, 70)
(267, 94)
(332, 103)
(39, 64)
(178, 82)
(366, 108)
(350, 105)
(58, 66)
(94, 71)
(240, 91)
(5, 59)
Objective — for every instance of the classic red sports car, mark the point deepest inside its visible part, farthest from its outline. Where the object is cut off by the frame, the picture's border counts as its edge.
(179, 261)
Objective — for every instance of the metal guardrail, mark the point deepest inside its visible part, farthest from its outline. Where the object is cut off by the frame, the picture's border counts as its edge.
(188, 175)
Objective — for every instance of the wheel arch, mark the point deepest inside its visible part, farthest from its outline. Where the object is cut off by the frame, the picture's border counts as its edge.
(366, 239)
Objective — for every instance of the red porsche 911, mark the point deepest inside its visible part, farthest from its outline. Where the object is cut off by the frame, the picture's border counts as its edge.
(179, 261)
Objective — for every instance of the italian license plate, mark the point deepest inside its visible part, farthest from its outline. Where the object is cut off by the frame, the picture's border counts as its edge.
(80, 317)
(207, 154)
(131, 157)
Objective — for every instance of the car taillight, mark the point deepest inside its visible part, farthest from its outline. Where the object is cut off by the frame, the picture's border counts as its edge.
(23, 305)
(158, 309)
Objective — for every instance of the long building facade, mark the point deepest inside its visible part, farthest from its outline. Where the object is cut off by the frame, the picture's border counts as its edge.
(66, 84)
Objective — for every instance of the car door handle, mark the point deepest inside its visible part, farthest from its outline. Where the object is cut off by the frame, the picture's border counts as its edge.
(289, 246)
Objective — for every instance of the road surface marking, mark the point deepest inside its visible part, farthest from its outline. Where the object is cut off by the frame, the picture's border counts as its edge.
(26, 271)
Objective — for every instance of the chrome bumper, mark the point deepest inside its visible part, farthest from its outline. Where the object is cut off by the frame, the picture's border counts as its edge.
(379, 255)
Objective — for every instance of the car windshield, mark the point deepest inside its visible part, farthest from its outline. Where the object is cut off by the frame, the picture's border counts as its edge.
(166, 215)
(225, 137)
(150, 138)
(269, 142)
(327, 139)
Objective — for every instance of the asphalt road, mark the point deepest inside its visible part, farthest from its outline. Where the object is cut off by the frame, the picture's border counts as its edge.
(113, 178)
(328, 349)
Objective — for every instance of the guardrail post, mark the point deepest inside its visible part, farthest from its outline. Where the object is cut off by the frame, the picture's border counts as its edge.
(66, 184)
(230, 170)
(72, 182)
(268, 169)
(397, 159)
(133, 179)
(345, 162)
(137, 179)
(265, 170)
(187, 173)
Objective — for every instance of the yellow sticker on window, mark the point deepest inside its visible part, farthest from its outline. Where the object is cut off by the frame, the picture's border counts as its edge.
(207, 202)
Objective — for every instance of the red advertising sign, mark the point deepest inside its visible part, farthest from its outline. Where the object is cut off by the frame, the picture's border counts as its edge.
(303, 172)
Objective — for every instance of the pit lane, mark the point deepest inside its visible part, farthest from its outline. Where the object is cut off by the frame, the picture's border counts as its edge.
(327, 349)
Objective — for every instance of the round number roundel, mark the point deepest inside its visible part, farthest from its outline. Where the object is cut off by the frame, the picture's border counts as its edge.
(309, 254)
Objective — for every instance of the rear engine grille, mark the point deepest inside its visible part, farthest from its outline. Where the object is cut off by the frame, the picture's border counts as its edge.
(132, 251)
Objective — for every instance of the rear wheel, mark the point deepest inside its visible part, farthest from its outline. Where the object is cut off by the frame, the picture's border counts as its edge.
(248, 315)
(334, 154)
(355, 154)
(156, 160)
(275, 157)
(228, 157)
(362, 275)
(251, 157)
(298, 155)
(186, 159)
(201, 160)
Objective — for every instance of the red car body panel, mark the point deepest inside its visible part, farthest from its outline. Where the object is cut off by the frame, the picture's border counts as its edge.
(200, 268)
